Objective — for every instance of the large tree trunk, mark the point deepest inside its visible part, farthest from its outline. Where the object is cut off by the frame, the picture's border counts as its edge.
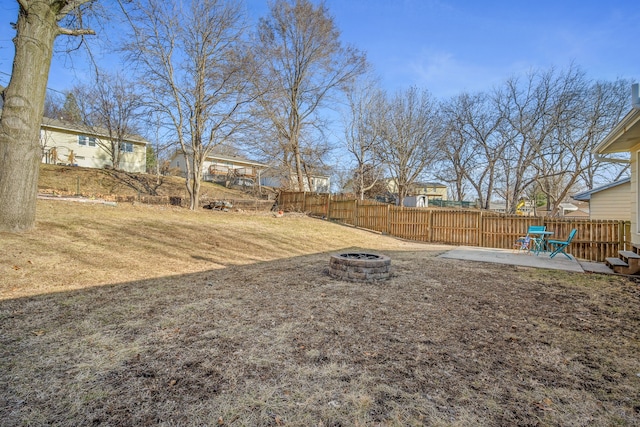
(196, 178)
(195, 197)
(20, 152)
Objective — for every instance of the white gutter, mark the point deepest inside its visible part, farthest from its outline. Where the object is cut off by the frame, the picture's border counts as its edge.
(628, 121)
(601, 158)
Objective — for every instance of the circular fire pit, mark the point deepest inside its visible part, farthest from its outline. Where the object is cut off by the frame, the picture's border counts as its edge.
(360, 267)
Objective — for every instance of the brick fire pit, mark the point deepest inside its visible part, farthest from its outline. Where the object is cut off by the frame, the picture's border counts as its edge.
(360, 267)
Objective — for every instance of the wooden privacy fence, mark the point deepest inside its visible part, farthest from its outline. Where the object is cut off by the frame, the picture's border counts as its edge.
(595, 241)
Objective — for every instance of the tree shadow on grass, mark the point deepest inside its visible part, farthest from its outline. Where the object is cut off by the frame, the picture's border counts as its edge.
(143, 184)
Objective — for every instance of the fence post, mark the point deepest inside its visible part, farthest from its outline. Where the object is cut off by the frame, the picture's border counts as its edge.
(481, 230)
(356, 203)
(328, 206)
(388, 219)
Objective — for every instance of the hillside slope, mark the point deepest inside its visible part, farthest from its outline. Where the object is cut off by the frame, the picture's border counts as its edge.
(106, 183)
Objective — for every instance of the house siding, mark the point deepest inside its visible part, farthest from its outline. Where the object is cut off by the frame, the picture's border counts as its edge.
(63, 142)
(432, 191)
(625, 137)
(319, 184)
(135, 161)
(217, 169)
(612, 203)
(223, 167)
(635, 235)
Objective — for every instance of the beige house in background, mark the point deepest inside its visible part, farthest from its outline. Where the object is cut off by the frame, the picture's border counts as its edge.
(79, 145)
(223, 168)
(625, 138)
(433, 190)
(611, 201)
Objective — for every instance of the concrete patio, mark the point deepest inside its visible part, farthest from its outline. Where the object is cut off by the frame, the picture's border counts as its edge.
(507, 256)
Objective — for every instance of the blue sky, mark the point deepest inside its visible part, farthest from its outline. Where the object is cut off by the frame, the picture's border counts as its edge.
(449, 46)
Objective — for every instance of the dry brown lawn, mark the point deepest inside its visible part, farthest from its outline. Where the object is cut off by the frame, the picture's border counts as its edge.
(134, 315)
(107, 183)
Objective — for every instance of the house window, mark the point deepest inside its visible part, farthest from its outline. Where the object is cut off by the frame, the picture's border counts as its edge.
(126, 147)
(86, 140)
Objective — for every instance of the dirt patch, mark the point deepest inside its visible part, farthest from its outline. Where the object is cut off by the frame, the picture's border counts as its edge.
(269, 341)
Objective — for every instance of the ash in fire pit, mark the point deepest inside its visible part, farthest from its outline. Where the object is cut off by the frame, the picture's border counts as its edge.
(360, 267)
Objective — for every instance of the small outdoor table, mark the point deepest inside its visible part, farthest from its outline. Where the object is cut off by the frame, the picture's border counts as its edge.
(540, 244)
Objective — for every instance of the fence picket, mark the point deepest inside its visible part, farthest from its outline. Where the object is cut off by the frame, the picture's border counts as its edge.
(595, 241)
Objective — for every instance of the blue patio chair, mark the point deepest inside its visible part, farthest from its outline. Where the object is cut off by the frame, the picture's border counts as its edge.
(523, 244)
(558, 246)
(535, 243)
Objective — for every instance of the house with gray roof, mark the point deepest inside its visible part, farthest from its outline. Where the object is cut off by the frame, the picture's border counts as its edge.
(609, 201)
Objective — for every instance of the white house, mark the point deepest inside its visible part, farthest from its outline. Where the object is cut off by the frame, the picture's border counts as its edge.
(76, 144)
(575, 209)
(313, 183)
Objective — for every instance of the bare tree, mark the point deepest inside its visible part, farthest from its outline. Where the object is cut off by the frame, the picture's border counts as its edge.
(606, 104)
(362, 130)
(111, 107)
(584, 112)
(526, 107)
(412, 135)
(532, 137)
(62, 106)
(368, 181)
(473, 146)
(303, 63)
(193, 69)
(53, 104)
(38, 25)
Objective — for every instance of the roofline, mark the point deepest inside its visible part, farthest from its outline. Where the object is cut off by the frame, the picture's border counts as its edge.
(236, 159)
(586, 195)
(629, 120)
(87, 129)
(209, 157)
(422, 183)
(280, 174)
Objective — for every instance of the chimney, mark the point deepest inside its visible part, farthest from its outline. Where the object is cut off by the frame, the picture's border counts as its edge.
(635, 95)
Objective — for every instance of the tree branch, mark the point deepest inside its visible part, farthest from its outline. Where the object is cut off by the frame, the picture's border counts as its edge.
(77, 32)
(71, 5)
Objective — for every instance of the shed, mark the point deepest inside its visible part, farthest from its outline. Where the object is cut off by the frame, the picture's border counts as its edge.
(419, 201)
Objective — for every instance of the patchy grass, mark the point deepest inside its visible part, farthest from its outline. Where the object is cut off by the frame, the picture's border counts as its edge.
(137, 315)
